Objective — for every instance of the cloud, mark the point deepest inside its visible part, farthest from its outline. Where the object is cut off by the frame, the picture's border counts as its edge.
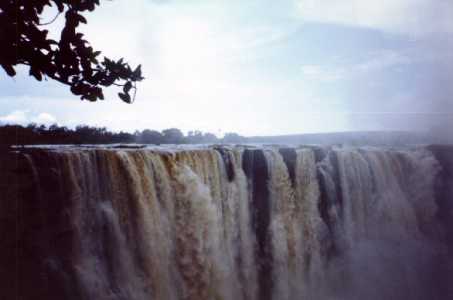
(15, 117)
(383, 59)
(323, 73)
(375, 62)
(44, 118)
(415, 17)
(24, 117)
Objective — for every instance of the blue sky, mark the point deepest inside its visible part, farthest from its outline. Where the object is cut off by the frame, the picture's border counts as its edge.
(261, 67)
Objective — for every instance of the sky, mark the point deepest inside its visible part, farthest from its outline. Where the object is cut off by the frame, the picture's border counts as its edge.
(260, 67)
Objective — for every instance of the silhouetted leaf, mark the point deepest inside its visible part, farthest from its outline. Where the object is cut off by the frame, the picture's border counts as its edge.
(125, 97)
(137, 74)
(36, 73)
(9, 70)
(127, 87)
(60, 6)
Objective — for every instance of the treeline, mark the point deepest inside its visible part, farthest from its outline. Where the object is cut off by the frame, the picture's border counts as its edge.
(40, 134)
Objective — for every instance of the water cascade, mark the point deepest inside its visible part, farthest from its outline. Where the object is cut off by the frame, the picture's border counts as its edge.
(222, 223)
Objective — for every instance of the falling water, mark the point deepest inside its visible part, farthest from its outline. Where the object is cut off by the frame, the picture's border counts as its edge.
(221, 223)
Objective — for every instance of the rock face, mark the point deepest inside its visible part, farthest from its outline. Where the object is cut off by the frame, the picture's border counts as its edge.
(444, 189)
(226, 223)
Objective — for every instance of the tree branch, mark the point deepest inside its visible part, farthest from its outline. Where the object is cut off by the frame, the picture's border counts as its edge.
(51, 21)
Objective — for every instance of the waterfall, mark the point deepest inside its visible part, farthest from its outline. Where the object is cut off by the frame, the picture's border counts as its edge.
(230, 223)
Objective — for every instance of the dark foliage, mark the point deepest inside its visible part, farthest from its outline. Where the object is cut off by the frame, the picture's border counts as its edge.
(71, 60)
(39, 135)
